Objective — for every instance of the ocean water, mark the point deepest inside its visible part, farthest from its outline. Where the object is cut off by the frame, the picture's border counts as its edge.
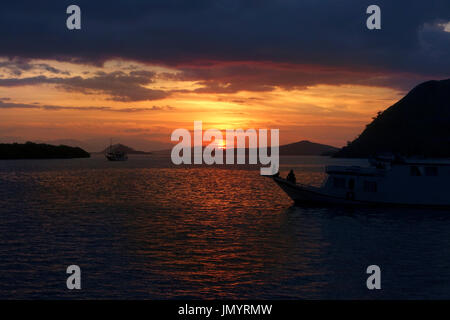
(145, 229)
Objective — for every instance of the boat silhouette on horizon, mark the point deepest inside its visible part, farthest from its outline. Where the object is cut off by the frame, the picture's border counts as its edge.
(115, 155)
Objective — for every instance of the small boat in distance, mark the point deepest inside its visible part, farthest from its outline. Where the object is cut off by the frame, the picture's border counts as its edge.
(390, 180)
(115, 155)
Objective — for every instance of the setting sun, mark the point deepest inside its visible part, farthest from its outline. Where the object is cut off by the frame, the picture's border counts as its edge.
(221, 144)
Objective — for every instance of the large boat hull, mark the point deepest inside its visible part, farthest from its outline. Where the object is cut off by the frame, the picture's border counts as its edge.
(308, 195)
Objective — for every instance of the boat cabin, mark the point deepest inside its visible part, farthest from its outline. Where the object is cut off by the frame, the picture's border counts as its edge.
(422, 181)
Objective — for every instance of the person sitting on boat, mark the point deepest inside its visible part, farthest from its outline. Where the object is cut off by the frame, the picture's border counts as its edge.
(291, 177)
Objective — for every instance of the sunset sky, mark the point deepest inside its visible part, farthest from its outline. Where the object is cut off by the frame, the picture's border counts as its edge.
(137, 70)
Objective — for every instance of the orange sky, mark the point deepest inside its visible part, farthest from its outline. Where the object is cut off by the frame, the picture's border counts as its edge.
(330, 114)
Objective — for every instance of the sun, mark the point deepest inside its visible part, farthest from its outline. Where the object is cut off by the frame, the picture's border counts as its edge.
(221, 144)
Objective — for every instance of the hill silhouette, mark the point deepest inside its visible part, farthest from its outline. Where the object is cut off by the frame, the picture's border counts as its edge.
(417, 125)
(301, 148)
(306, 148)
(30, 150)
(123, 148)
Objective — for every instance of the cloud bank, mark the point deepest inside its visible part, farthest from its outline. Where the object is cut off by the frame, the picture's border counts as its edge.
(178, 32)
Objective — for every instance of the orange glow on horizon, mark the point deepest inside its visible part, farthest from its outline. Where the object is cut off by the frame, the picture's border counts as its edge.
(329, 114)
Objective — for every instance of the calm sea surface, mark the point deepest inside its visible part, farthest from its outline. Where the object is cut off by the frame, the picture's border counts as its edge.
(148, 230)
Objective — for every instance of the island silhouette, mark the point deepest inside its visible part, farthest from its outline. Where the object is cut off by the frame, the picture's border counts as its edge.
(307, 148)
(31, 150)
(417, 125)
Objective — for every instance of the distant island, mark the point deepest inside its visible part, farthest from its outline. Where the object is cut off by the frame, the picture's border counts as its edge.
(30, 150)
(307, 148)
(122, 148)
(417, 125)
(300, 148)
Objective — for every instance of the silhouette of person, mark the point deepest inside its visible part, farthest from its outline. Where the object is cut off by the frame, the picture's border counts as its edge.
(291, 177)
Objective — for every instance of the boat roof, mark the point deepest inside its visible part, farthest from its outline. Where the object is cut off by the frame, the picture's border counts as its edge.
(375, 170)
(400, 160)
(434, 162)
(353, 170)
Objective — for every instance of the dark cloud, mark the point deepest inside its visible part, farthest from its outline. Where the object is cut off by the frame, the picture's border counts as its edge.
(118, 85)
(12, 105)
(177, 32)
(224, 78)
(228, 45)
(17, 66)
(234, 77)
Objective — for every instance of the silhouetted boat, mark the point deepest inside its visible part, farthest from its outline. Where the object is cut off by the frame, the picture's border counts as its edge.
(115, 155)
(387, 181)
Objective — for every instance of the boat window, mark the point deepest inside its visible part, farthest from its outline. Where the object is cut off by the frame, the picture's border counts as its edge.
(415, 171)
(431, 171)
(370, 186)
(339, 183)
